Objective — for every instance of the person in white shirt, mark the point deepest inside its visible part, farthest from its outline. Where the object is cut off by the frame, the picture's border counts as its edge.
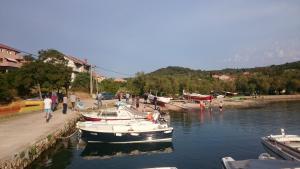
(73, 100)
(47, 107)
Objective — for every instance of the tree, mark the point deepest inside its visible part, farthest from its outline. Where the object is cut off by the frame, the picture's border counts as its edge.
(52, 56)
(5, 94)
(29, 58)
(109, 85)
(39, 74)
(82, 82)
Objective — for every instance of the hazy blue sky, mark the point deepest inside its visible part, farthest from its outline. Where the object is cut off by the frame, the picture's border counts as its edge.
(138, 35)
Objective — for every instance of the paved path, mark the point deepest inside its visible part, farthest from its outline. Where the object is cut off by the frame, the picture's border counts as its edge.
(19, 132)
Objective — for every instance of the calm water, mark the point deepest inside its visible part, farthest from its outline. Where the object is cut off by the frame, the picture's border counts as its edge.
(200, 140)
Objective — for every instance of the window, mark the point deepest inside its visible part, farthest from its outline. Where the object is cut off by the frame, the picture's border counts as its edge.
(1, 60)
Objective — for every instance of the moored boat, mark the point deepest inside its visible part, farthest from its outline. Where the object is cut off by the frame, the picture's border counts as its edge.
(230, 163)
(121, 113)
(285, 146)
(162, 101)
(121, 132)
(196, 96)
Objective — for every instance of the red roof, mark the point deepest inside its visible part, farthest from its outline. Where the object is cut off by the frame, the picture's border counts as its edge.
(76, 60)
(9, 48)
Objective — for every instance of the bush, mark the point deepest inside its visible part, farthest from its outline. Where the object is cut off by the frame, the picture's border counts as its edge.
(5, 93)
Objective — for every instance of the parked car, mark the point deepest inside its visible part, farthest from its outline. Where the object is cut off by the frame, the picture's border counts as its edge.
(107, 96)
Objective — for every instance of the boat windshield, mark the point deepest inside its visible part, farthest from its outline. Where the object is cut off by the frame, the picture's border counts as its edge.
(110, 114)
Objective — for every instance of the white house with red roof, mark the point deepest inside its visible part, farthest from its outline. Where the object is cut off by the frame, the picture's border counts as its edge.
(77, 65)
(10, 58)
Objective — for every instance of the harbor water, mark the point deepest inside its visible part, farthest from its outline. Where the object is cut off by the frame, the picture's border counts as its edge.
(200, 140)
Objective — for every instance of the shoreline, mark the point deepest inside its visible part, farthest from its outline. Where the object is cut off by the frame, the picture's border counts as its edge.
(234, 102)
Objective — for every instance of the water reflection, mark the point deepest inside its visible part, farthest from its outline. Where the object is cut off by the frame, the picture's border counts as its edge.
(198, 117)
(58, 157)
(200, 139)
(105, 151)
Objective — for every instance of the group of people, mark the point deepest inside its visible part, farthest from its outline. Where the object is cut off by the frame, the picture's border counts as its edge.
(51, 102)
(203, 105)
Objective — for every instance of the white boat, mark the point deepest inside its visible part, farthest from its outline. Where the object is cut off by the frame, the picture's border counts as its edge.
(284, 146)
(125, 131)
(160, 100)
(120, 113)
(230, 163)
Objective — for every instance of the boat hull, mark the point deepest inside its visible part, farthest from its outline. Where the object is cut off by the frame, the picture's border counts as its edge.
(198, 98)
(124, 138)
(279, 149)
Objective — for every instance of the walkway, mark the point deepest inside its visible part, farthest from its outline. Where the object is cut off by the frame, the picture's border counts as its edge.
(21, 131)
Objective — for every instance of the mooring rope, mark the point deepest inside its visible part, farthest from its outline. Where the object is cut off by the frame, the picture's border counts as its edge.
(69, 135)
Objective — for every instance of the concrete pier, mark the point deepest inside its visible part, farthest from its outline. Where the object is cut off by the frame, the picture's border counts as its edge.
(25, 137)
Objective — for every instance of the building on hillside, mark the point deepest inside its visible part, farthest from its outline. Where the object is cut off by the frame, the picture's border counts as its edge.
(99, 78)
(121, 80)
(246, 73)
(10, 58)
(77, 66)
(223, 77)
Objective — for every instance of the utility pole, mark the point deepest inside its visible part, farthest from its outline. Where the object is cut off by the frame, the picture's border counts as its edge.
(91, 80)
(96, 80)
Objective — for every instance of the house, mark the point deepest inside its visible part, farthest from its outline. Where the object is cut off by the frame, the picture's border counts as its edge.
(120, 80)
(223, 77)
(99, 78)
(10, 58)
(77, 65)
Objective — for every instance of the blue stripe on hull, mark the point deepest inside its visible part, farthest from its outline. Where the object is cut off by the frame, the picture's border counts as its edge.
(99, 137)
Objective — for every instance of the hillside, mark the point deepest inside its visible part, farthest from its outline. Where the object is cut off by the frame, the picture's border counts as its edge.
(177, 70)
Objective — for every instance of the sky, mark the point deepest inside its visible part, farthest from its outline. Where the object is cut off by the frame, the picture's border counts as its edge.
(130, 36)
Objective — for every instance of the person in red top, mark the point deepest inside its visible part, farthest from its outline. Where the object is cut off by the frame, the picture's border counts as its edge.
(54, 101)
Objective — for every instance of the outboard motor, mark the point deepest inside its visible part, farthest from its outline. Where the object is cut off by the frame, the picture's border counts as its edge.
(282, 132)
(156, 116)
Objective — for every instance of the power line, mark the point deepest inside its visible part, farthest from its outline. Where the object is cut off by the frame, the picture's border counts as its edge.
(109, 70)
(99, 67)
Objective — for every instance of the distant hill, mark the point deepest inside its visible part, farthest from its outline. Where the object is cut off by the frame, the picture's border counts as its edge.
(182, 71)
(174, 70)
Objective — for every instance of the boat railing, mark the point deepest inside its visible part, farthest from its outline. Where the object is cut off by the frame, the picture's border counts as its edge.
(290, 150)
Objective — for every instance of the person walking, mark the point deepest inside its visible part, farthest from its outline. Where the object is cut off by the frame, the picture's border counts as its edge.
(133, 100)
(137, 102)
(119, 96)
(54, 101)
(47, 107)
(127, 97)
(221, 105)
(73, 100)
(99, 100)
(65, 104)
(155, 102)
(145, 98)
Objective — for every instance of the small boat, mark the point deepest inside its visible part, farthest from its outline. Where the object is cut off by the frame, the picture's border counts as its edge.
(285, 146)
(196, 96)
(162, 101)
(125, 131)
(121, 113)
(230, 163)
(105, 151)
